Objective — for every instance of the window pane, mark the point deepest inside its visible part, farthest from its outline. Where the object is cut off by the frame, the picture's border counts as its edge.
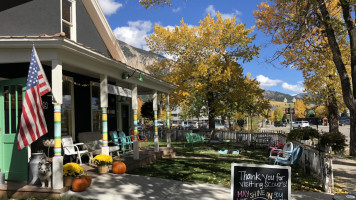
(66, 7)
(66, 29)
(67, 111)
(96, 109)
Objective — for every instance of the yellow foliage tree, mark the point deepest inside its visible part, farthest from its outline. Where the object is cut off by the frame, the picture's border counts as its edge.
(318, 37)
(206, 62)
(300, 108)
(278, 114)
(321, 111)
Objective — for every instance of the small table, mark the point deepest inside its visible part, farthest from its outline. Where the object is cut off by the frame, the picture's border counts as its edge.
(48, 143)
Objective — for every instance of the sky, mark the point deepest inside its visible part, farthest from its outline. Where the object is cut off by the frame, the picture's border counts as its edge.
(132, 23)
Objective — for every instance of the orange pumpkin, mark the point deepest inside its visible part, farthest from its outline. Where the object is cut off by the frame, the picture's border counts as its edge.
(118, 167)
(87, 178)
(79, 184)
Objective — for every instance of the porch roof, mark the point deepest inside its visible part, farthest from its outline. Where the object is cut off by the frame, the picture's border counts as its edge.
(78, 58)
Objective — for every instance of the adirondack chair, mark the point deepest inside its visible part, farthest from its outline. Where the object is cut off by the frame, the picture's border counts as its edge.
(292, 157)
(275, 145)
(123, 140)
(287, 148)
(140, 138)
(70, 149)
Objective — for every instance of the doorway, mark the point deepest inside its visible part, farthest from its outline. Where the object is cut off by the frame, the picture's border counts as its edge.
(13, 163)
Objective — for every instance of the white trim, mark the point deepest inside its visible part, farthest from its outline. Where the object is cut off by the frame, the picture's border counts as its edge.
(73, 28)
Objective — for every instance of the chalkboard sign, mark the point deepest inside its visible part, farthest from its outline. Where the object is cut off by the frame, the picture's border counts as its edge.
(260, 182)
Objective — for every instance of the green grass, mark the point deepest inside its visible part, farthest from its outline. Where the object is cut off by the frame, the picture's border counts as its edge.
(201, 163)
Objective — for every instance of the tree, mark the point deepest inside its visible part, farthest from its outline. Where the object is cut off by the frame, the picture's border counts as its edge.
(154, 3)
(300, 108)
(206, 62)
(321, 111)
(321, 26)
(278, 114)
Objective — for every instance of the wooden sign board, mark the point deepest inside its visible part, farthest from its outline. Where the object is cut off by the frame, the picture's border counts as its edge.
(260, 182)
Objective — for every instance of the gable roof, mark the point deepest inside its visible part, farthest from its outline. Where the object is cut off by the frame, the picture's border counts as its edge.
(104, 29)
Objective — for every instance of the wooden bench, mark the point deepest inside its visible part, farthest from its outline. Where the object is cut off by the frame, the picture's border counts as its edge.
(194, 138)
(93, 142)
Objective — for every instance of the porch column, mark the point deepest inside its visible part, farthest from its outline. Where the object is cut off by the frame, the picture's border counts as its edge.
(134, 109)
(168, 122)
(134, 106)
(156, 138)
(104, 106)
(57, 162)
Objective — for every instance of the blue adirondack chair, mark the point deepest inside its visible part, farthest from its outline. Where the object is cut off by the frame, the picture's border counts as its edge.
(121, 140)
(126, 142)
(291, 159)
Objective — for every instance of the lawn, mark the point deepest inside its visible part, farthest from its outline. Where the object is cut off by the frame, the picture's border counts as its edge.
(203, 164)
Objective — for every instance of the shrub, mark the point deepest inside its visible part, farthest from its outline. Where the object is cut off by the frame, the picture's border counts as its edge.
(336, 140)
(303, 134)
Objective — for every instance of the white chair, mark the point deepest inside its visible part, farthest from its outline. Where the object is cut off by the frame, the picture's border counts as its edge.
(285, 152)
(72, 149)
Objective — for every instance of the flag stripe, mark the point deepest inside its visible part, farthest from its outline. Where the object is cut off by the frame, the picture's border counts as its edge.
(33, 124)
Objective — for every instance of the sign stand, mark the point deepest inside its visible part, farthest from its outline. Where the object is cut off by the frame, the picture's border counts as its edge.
(260, 182)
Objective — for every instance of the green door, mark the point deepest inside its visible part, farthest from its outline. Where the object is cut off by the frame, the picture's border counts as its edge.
(12, 161)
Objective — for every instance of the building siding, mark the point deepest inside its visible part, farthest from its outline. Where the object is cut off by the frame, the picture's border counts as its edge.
(87, 33)
(31, 18)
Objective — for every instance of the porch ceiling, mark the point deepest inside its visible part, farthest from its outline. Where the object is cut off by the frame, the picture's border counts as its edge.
(79, 59)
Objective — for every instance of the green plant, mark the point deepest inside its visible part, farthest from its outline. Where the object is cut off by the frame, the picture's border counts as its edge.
(72, 169)
(102, 159)
(302, 134)
(336, 140)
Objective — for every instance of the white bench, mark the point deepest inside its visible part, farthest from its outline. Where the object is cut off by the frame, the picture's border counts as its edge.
(93, 142)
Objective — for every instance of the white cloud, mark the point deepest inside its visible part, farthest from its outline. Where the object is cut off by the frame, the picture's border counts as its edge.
(135, 33)
(266, 82)
(176, 9)
(109, 7)
(210, 9)
(299, 88)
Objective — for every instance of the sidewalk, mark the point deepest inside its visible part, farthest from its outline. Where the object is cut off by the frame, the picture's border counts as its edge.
(127, 186)
(345, 173)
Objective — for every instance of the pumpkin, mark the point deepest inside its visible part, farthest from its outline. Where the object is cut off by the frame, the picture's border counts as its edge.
(79, 184)
(87, 178)
(118, 167)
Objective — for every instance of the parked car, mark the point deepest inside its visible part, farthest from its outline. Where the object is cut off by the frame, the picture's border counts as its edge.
(189, 124)
(279, 124)
(218, 126)
(344, 122)
(300, 124)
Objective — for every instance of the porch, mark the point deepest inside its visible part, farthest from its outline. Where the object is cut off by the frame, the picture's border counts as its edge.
(17, 189)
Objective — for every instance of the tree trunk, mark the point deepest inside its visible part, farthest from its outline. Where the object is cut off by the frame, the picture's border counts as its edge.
(333, 113)
(352, 141)
(211, 114)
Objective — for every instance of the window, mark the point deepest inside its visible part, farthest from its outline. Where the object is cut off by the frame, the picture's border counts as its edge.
(68, 19)
(95, 107)
(68, 107)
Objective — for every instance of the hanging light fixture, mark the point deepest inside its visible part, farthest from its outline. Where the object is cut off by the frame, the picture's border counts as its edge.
(140, 78)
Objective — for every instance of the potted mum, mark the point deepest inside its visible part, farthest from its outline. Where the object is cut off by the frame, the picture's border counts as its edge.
(102, 161)
(71, 170)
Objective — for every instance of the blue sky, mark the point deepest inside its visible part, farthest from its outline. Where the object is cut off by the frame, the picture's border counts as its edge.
(131, 23)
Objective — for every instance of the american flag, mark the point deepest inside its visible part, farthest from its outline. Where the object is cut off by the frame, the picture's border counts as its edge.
(33, 124)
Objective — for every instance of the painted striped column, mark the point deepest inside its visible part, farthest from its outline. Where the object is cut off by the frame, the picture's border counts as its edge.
(156, 123)
(105, 126)
(57, 130)
(168, 120)
(135, 121)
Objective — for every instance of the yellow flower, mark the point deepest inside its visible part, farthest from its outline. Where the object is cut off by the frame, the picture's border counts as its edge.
(102, 159)
(72, 169)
